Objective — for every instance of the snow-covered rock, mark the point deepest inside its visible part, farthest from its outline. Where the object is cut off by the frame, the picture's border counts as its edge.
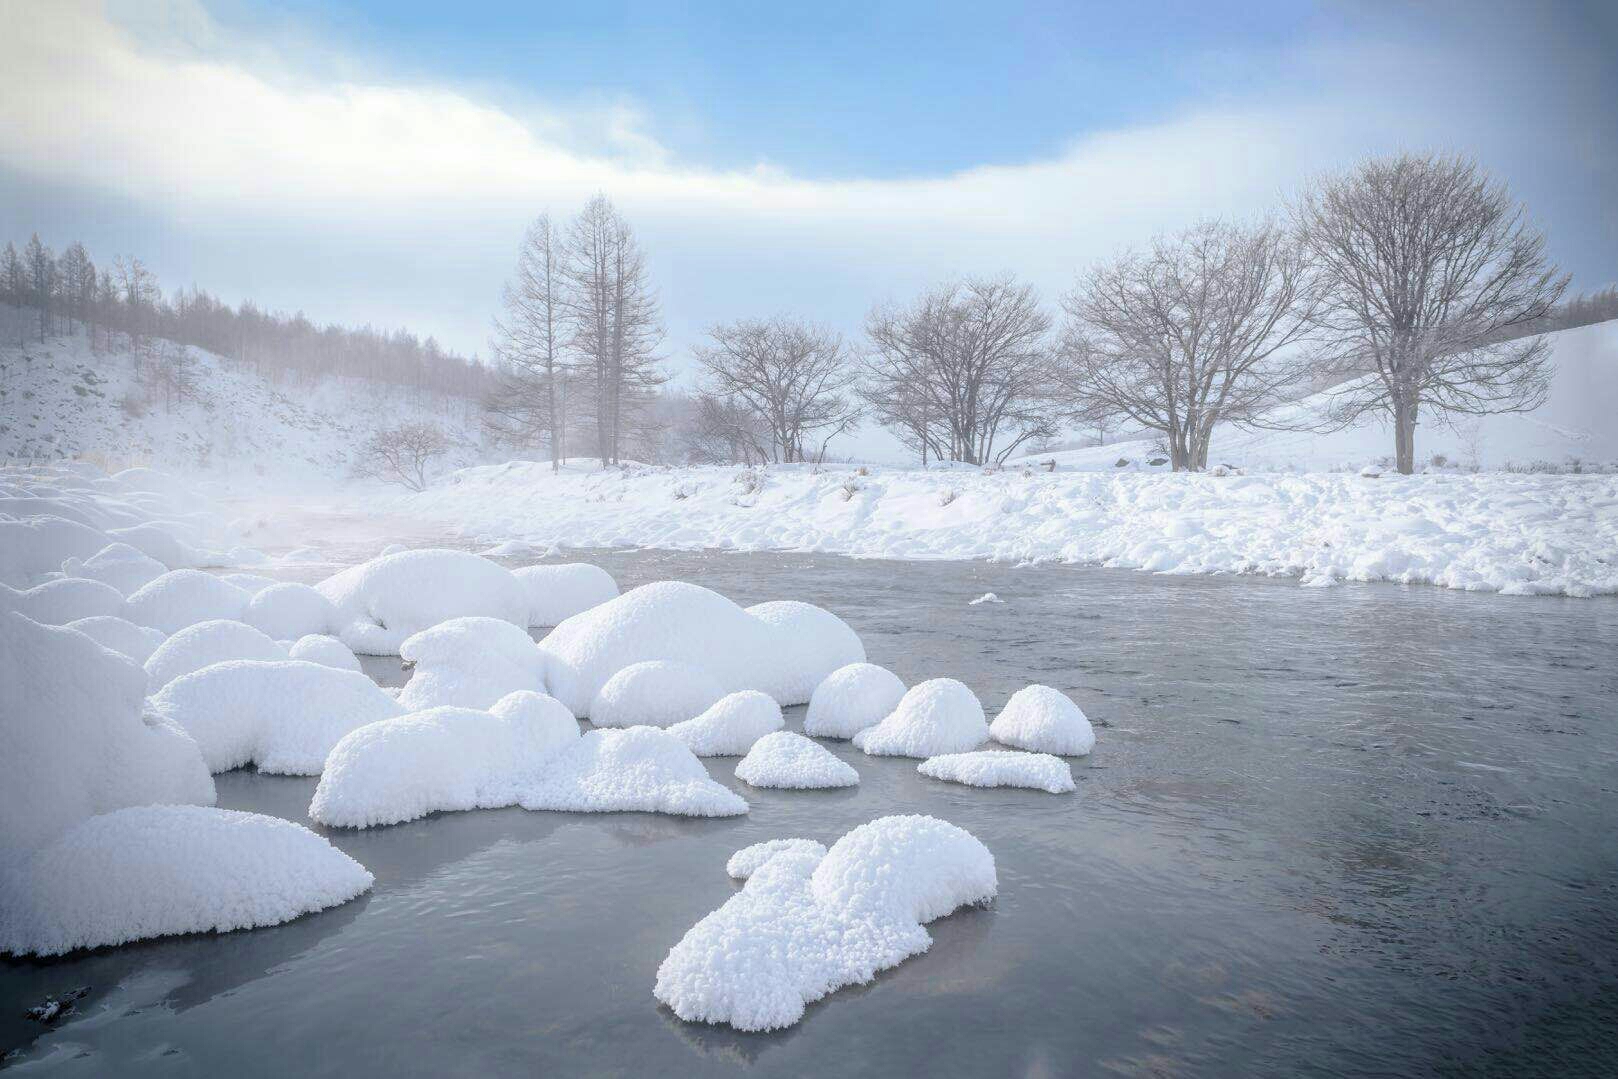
(34, 546)
(813, 642)
(120, 635)
(654, 693)
(1043, 720)
(640, 769)
(731, 725)
(937, 716)
(852, 698)
(807, 924)
(203, 645)
(381, 602)
(64, 600)
(155, 870)
(184, 597)
(745, 862)
(284, 716)
(1001, 768)
(557, 593)
(287, 611)
(160, 543)
(327, 651)
(470, 663)
(790, 761)
(119, 565)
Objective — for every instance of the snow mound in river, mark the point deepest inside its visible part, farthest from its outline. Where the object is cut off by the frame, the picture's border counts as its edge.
(327, 651)
(120, 635)
(471, 663)
(731, 725)
(936, 716)
(790, 761)
(557, 593)
(184, 597)
(1000, 768)
(654, 693)
(807, 924)
(287, 611)
(813, 640)
(203, 645)
(64, 600)
(35, 546)
(745, 862)
(640, 769)
(119, 565)
(852, 698)
(381, 602)
(156, 870)
(1044, 720)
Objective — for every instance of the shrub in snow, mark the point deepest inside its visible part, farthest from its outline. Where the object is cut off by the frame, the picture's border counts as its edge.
(790, 761)
(557, 593)
(63, 600)
(745, 862)
(1001, 768)
(288, 611)
(157, 870)
(119, 565)
(641, 769)
(813, 641)
(327, 651)
(120, 635)
(158, 542)
(731, 725)
(937, 716)
(1043, 720)
(852, 698)
(807, 924)
(35, 546)
(655, 693)
(381, 602)
(184, 597)
(439, 760)
(73, 741)
(285, 716)
(471, 663)
(203, 645)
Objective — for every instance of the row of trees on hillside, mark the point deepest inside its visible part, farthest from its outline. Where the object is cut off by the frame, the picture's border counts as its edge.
(1413, 283)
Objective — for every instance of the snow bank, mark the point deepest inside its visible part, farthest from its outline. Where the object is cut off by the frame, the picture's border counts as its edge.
(121, 635)
(440, 760)
(999, 768)
(470, 662)
(381, 602)
(805, 925)
(745, 862)
(203, 645)
(284, 716)
(557, 593)
(640, 769)
(327, 651)
(119, 565)
(152, 871)
(851, 699)
(790, 761)
(731, 726)
(654, 693)
(1043, 720)
(288, 611)
(182, 598)
(63, 600)
(934, 717)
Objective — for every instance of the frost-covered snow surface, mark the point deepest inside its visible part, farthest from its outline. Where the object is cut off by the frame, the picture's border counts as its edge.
(557, 593)
(184, 597)
(745, 862)
(381, 602)
(806, 924)
(156, 870)
(1001, 768)
(788, 760)
(471, 663)
(851, 699)
(288, 610)
(282, 715)
(731, 725)
(203, 645)
(1043, 720)
(940, 715)
(654, 693)
(328, 651)
(640, 769)
(120, 635)
(117, 564)
(64, 600)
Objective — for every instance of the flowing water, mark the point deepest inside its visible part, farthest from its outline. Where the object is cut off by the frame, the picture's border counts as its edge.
(1365, 830)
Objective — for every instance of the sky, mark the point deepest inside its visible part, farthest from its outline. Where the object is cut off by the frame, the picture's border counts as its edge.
(376, 162)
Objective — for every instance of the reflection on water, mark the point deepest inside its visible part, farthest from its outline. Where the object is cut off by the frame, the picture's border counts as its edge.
(1361, 830)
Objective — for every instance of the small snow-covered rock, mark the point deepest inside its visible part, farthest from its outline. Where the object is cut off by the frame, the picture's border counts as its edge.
(470, 663)
(1001, 768)
(327, 651)
(641, 769)
(789, 761)
(937, 716)
(557, 593)
(987, 597)
(119, 565)
(203, 645)
(731, 724)
(655, 693)
(811, 642)
(851, 699)
(745, 862)
(120, 635)
(288, 611)
(381, 602)
(184, 597)
(64, 600)
(1043, 720)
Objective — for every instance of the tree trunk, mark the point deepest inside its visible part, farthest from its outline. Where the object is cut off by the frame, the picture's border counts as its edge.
(1404, 436)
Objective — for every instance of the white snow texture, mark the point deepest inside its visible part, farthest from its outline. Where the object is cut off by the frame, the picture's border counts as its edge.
(937, 716)
(1001, 768)
(789, 761)
(851, 699)
(1043, 720)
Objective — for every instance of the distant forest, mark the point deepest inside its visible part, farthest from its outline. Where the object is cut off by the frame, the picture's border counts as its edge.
(125, 298)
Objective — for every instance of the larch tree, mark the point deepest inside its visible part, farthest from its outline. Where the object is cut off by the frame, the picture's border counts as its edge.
(40, 265)
(529, 397)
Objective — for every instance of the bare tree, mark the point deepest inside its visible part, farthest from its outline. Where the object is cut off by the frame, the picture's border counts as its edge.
(1188, 334)
(402, 454)
(1429, 269)
(796, 378)
(612, 319)
(723, 430)
(965, 371)
(527, 400)
(42, 280)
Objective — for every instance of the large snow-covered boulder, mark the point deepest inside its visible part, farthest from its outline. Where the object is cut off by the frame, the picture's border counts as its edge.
(328, 651)
(470, 663)
(288, 610)
(789, 761)
(34, 546)
(1044, 720)
(284, 715)
(203, 645)
(852, 698)
(381, 602)
(557, 593)
(731, 725)
(159, 542)
(440, 760)
(63, 600)
(119, 565)
(654, 693)
(120, 635)
(641, 769)
(813, 643)
(156, 870)
(806, 924)
(1001, 768)
(937, 716)
(184, 597)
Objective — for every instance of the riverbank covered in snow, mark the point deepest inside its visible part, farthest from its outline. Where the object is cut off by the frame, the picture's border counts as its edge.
(1515, 533)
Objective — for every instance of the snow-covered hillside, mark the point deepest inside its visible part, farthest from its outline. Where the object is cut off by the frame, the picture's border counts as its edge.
(60, 398)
